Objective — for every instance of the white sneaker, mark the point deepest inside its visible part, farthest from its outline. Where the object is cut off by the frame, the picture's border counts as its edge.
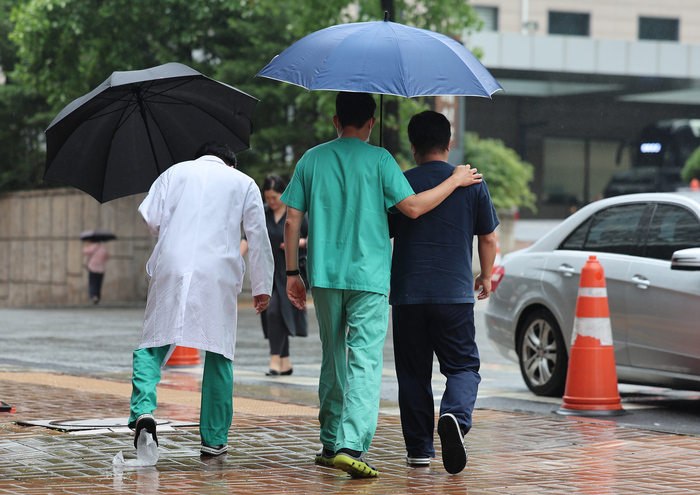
(213, 450)
(418, 461)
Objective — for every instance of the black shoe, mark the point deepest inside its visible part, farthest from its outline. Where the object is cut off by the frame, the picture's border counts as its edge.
(454, 453)
(353, 463)
(288, 372)
(325, 457)
(212, 450)
(145, 422)
(272, 373)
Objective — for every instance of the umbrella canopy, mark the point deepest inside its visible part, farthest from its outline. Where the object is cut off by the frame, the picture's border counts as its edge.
(382, 57)
(97, 235)
(116, 140)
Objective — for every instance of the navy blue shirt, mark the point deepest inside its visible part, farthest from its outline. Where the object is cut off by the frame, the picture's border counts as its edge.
(432, 260)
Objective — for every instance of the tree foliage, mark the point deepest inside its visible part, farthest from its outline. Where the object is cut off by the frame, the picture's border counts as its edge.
(62, 49)
(691, 169)
(444, 16)
(506, 174)
(23, 117)
(67, 47)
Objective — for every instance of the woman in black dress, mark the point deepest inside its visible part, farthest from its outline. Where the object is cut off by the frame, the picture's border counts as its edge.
(281, 319)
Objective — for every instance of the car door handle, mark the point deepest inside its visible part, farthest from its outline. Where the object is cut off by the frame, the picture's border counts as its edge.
(641, 282)
(567, 270)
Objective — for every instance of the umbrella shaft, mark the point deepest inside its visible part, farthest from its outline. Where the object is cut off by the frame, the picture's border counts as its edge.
(381, 119)
(142, 109)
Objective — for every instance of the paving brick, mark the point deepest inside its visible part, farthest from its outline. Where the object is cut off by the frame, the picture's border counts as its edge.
(271, 452)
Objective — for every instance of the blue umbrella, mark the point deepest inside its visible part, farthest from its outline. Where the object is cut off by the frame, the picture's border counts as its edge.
(382, 57)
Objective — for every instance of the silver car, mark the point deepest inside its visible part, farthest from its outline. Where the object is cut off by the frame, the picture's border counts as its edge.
(649, 247)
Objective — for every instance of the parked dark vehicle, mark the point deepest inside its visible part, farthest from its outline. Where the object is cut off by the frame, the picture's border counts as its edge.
(649, 247)
(658, 156)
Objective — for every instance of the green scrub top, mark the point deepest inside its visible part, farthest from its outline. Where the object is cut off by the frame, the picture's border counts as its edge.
(347, 186)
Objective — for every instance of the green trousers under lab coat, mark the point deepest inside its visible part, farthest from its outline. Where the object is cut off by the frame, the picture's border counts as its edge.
(217, 391)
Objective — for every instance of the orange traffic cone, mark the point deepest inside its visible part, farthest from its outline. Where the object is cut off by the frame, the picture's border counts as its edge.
(591, 381)
(184, 356)
(695, 185)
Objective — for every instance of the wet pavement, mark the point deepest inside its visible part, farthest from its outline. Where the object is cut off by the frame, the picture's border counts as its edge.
(274, 433)
(273, 443)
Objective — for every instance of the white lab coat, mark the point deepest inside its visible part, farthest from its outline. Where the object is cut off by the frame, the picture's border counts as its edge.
(196, 269)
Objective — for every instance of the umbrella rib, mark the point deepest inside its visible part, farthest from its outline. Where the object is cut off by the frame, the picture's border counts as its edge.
(156, 123)
(401, 66)
(129, 101)
(115, 110)
(126, 112)
(132, 105)
(174, 101)
(148, 93)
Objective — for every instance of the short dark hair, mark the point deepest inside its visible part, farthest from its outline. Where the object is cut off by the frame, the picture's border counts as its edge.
(275, 183)
(429, 131)
(354, 109)
(219, 150)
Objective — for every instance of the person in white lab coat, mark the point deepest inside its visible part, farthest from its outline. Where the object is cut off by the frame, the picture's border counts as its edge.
(195, 274)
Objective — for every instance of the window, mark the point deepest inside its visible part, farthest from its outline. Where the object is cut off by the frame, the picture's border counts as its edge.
(656, 28)
(672, 228)
(490, 17)
(613, 230)
(576, 239)
(569, 23)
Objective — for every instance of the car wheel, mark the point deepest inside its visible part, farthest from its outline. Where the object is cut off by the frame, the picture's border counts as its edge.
(542, 354)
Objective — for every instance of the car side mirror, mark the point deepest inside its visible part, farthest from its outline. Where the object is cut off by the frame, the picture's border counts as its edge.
(686, 259)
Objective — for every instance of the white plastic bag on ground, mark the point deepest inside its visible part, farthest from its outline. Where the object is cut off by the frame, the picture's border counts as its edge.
(146, 452)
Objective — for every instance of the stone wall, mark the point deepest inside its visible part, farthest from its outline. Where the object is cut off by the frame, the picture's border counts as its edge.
(41, 263)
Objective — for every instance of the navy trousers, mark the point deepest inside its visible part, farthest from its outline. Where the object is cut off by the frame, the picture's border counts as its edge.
(448, 330)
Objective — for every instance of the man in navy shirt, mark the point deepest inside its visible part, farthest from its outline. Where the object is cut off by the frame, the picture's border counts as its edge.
(432, 294)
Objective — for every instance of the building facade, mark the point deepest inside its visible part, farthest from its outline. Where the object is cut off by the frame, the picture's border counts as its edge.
(582, 80)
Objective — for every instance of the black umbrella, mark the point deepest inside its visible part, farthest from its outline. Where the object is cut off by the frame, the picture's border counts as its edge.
(97, 235)
(116, 140)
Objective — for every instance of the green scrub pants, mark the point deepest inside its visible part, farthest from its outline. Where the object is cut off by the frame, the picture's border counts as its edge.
(217, 391)
(352, 327)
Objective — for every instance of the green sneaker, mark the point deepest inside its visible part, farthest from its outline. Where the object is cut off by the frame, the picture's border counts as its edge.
(325, 457)
(354, 465)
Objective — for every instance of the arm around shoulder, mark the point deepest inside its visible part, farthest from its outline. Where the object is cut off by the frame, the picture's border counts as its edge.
(421, 203)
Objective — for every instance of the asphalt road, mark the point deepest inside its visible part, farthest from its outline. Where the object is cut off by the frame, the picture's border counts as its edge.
(98, 341)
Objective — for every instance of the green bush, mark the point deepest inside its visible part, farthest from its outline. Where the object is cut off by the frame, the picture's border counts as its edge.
(691, 170)
(505, 173)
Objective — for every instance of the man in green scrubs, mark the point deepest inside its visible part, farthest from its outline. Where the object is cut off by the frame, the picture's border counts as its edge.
(347, 186)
